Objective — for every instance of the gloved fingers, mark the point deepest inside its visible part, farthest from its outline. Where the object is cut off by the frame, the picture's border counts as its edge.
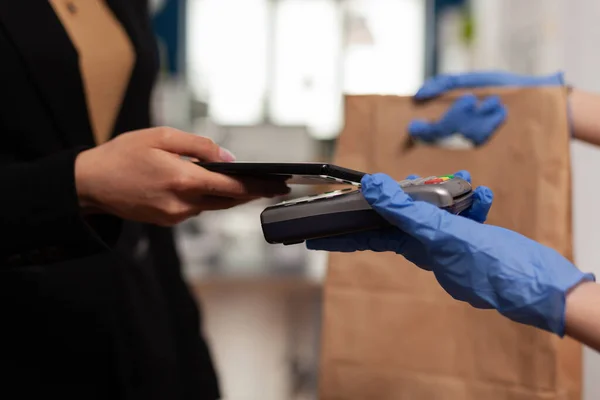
(416, 218)
(479, 132)
(464, 175)
(482, 133)
(465, 105)
(433, 87)
(483, 198)
(425, 131)
(465, 102)
(390, 201)
(380, 240)
(465, 116)
(441, 84)
(487, 78)
(490, 104)
(430, 131)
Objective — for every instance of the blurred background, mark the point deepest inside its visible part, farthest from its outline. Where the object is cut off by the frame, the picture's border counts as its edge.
(266, 79)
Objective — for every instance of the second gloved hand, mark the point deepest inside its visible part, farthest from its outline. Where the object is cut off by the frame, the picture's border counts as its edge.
(475, 120)
(441, 84)
(476, 123)
(486, 266)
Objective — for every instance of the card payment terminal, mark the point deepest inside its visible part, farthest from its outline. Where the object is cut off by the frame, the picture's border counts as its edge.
(345, 211)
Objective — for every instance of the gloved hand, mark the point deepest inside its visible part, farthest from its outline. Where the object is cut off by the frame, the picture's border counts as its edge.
(487, 266)
(441, 84)
(474, 121)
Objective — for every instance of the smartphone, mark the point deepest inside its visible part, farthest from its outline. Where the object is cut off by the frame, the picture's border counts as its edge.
(309, 173)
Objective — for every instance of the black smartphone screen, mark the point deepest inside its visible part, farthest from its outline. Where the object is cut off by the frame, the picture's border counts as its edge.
(291, 173)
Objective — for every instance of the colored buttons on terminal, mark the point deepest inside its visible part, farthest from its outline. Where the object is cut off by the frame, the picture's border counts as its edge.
(438, 179)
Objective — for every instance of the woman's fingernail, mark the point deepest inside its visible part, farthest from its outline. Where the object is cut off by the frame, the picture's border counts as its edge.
(226, 155)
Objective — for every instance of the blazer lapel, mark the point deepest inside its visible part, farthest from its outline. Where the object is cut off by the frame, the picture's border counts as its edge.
(52, 62)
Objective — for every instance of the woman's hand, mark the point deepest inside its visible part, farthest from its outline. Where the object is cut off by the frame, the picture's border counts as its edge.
(141, 176)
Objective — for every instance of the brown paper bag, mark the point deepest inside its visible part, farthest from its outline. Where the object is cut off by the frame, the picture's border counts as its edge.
(390, 331)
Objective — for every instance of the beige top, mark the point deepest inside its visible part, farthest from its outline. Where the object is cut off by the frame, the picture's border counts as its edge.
(106, 58)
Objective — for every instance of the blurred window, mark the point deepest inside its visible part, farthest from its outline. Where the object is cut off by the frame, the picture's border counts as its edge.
(289, 62)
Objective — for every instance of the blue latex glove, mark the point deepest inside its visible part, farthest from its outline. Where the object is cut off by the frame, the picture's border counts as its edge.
(476, 122)
(441, 84)
(487, 266)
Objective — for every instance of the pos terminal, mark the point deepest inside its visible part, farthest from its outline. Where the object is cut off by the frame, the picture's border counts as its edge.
(339, 211)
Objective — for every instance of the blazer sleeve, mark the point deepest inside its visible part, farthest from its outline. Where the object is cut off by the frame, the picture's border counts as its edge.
(41, 213)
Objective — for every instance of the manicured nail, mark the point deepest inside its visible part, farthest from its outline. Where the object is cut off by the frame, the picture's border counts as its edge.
(226, 155)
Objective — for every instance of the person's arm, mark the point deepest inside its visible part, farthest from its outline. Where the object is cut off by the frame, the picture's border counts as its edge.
(477, 263)
(41, 212)
(585, 114)
(584, 107)
(582, 315)
(138, 176)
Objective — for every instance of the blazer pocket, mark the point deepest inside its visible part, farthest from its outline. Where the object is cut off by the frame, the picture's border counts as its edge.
(60, 317)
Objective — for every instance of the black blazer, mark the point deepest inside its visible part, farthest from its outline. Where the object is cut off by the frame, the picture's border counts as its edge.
(89, 308)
